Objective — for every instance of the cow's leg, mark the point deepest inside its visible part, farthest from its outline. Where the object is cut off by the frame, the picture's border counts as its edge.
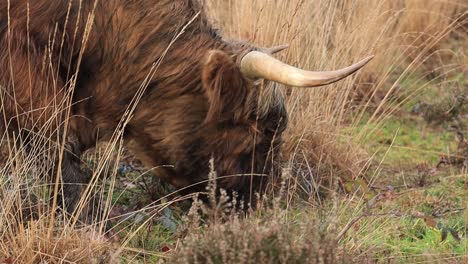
(75, 180)
(34, 93)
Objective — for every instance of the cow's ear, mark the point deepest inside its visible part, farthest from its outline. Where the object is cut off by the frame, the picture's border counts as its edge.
(225, 87)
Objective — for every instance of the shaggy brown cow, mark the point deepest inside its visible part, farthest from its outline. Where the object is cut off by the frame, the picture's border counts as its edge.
(203, 100)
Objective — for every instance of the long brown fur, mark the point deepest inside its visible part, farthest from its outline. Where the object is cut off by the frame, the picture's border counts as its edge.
(197, 105)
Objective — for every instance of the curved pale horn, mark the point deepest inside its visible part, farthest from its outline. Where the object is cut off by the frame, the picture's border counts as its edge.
(257, 65)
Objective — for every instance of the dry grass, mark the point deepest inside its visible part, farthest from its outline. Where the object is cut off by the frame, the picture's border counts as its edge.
(31, 245)
(409, 39)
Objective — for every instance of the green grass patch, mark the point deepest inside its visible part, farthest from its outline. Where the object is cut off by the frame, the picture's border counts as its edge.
(405, 141)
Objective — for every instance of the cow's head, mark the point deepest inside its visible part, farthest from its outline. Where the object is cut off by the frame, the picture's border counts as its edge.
(246, 112)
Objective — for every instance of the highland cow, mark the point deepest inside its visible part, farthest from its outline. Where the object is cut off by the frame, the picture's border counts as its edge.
(207, 97)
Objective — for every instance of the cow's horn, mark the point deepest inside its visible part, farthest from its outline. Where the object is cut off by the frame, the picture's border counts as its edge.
(256, 65)
(276, 49)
